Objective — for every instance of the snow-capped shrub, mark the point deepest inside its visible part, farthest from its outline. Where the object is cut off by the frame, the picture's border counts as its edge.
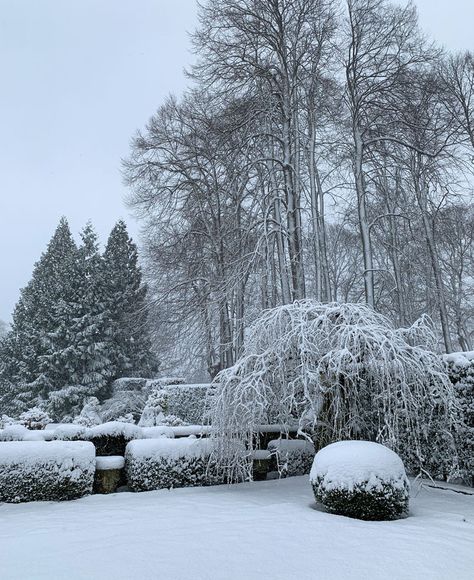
(155, 409)
(35, 418)
(157, 432)
(35, 471)
(461, 373)
(128, 384)
(67, 401)
(13, 433)
(360, 479)
(128, 418)
(166, 463)
(111, 438)
(123, 403)
(188, 402)
(6, 421)
(164, 381)
(293, 456)
(69, 432)
(90, 414)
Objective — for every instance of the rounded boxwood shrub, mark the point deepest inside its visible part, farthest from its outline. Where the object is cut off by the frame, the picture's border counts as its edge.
(360, 479)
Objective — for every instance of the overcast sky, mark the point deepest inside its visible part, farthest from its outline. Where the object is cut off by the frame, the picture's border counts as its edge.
(78, 77)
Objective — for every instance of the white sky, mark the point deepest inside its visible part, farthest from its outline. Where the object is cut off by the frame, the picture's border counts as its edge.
(78, 77)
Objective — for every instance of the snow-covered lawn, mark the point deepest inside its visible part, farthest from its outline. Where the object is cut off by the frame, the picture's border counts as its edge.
(267, 531)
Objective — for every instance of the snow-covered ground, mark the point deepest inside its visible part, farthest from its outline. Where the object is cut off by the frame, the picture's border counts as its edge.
(267, 531)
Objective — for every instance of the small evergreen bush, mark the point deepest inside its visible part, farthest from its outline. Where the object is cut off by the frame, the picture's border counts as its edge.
(362, 480)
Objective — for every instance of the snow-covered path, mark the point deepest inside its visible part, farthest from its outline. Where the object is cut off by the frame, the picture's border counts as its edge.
(265, 531)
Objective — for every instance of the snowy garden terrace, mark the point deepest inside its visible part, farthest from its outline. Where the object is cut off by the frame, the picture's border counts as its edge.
(252, 531)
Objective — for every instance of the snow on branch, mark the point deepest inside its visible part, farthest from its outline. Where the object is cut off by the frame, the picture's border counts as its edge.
(337, 371)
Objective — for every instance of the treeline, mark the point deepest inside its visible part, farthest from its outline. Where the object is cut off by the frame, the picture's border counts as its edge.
(323, 150)
(80, 323)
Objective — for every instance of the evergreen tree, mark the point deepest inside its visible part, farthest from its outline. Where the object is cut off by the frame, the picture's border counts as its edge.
(91, 325)
(126, 306)
(35, 353)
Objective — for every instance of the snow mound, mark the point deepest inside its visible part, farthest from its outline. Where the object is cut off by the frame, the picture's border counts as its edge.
(157, 432)
(347, 464)
(39, 470)
(112, 462)
(13, 433)
(460, 359)
(170, 448)
(115, 429)
(69, 431)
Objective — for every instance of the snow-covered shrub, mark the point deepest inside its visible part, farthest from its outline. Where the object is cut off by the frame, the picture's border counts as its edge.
(461, 373)
(128, 418)
(35, 471)
(157, 432)
(340, 371)
(67, 401)
(69, 432)
(35, 418)
(155, 409)
(166, 463)
(13, 433)
(6, 421)
(90, 414)
(123, 403)
(293, 456)
(128, 384)
(111, 438)
(360, 479)
(188, 402)
(165, 381)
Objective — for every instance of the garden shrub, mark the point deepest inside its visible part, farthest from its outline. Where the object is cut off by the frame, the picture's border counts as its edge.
(188, 402)
(293, 456)
(360, 479)
(69, 432)
(167, 463)
(52, 471)
(111, 438)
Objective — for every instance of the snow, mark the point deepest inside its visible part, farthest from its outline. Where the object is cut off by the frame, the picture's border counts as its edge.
(157, 431)
(111, 462)
(13, 433)
(347, 463)
(115, 429)
(69, 431)
(460, 359)
(169, 448)
(187, 430)
(247, 531)
(37, 452)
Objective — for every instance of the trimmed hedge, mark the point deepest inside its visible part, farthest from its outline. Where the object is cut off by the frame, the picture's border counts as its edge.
(36, 471)
(362, 480)
(293, 456)
(167, 463)
(112, 438)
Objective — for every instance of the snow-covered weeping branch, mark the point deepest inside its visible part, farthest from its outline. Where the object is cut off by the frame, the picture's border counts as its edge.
(336, 371)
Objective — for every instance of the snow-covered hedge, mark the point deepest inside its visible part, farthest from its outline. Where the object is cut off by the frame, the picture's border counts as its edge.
(164, 381)
(293, 456)
(111, 438)
(70, 432)
(166, 463)
(461, 373)
(360, 479)
(13, 433)
(35, 471)
(128, 384)
(187, 401)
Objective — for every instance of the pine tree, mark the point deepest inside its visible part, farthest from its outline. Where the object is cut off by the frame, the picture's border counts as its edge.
(35, 353)
(90, 327)
(127, 306)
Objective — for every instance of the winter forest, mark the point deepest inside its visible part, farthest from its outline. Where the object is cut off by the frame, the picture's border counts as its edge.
(299, 300)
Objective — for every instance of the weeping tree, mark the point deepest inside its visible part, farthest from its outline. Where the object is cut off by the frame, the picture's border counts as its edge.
(336, 371)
